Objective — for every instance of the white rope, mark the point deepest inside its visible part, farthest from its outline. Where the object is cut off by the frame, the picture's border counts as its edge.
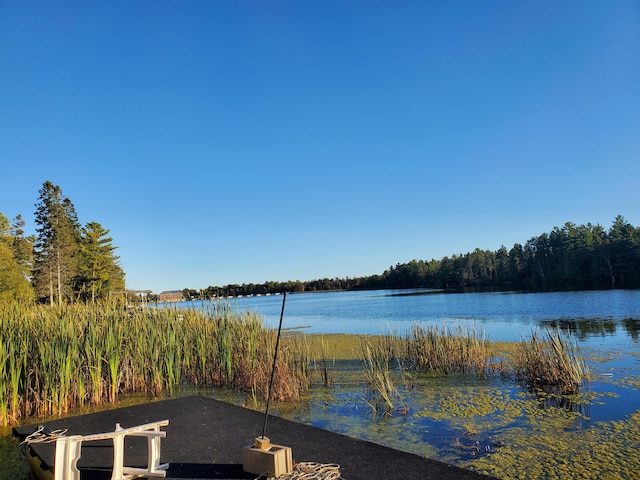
(311, 471)
(42, 435)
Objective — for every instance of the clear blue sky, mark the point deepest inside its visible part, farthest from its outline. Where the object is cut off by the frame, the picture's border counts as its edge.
(244, 141)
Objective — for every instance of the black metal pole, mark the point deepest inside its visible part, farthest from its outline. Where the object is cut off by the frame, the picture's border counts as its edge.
(273, 368)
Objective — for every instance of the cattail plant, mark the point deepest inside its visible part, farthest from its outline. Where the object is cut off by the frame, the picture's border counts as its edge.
(55, 358)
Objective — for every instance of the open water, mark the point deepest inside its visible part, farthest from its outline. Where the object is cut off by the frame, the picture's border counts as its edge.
(595, 317)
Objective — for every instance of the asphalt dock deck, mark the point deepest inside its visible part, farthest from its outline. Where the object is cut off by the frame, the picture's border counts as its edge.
(205, 438)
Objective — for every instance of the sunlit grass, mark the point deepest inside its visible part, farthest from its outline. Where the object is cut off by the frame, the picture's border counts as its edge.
(550, 361)
(378, 355)
(448, 349)
(53, 359)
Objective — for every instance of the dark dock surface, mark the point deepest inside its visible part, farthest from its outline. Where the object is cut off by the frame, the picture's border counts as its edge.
(205, 438)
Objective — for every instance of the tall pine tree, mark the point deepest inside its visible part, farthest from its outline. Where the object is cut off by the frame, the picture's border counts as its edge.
(99, 269)
(57, 245)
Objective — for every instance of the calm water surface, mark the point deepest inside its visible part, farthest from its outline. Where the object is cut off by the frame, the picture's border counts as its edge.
(612, 315)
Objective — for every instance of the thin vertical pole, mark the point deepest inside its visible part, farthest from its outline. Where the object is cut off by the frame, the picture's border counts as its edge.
(273, 368)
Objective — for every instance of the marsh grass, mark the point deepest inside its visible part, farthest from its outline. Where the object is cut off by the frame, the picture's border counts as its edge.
(449, 350)
(53, 359)
(550, 361)
(378, 354)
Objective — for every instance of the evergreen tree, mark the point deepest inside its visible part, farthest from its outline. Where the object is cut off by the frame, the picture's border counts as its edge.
(22, 246)
(99, 269)
(5, 227)
(57, 245)
(13, 284)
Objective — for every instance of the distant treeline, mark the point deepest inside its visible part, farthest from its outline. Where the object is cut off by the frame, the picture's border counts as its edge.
(569, 258)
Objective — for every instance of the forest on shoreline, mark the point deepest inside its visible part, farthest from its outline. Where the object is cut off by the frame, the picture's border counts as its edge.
(572, 257)
(68, 262)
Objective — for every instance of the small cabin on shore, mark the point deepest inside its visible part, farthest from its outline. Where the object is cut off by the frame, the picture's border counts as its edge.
(170, 296)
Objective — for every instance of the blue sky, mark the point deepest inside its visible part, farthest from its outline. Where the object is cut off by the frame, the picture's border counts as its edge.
(243, 141)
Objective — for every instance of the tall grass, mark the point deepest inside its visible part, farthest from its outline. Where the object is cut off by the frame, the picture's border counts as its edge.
(56, 358)
(378, 356)
(448, 349)
(550, 360)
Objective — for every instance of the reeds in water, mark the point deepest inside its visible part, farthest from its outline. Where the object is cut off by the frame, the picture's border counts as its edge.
(378, 355)
(550, 360)
(446, 349)
(56, 358)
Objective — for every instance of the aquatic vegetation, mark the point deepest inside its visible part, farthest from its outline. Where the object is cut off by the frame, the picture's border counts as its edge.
(550, 361)
(382, 390)
(607, 450)
(53, 359)
(448, 349)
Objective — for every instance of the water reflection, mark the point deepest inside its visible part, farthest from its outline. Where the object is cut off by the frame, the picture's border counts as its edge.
(632, 327)
(583, 328)
(576, 404)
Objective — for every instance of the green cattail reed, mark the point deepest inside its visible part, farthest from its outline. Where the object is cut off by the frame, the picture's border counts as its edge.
(4, 384)
(17, 370)
(93, 355)
(113, 348)
(55, 358)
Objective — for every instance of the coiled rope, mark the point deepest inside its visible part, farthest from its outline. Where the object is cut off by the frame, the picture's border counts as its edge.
(43, 435)
(311, 471)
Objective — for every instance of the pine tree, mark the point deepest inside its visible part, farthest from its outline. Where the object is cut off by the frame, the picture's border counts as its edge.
(22, 246)
(99, 269)
(56, 246)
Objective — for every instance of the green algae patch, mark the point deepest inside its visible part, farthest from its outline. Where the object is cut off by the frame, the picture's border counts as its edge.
(632, 381)
(604, 451)
(332, 347)
(443, 403)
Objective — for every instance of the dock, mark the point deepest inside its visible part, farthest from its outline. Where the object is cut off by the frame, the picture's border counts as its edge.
(205, 438)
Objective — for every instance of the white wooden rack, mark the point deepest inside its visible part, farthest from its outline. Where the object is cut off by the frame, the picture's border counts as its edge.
(68, 451)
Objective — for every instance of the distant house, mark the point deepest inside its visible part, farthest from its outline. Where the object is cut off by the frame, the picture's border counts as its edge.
(170, 296)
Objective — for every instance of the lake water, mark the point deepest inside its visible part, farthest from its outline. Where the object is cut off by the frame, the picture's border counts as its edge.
(594, 316)
(486, 424)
